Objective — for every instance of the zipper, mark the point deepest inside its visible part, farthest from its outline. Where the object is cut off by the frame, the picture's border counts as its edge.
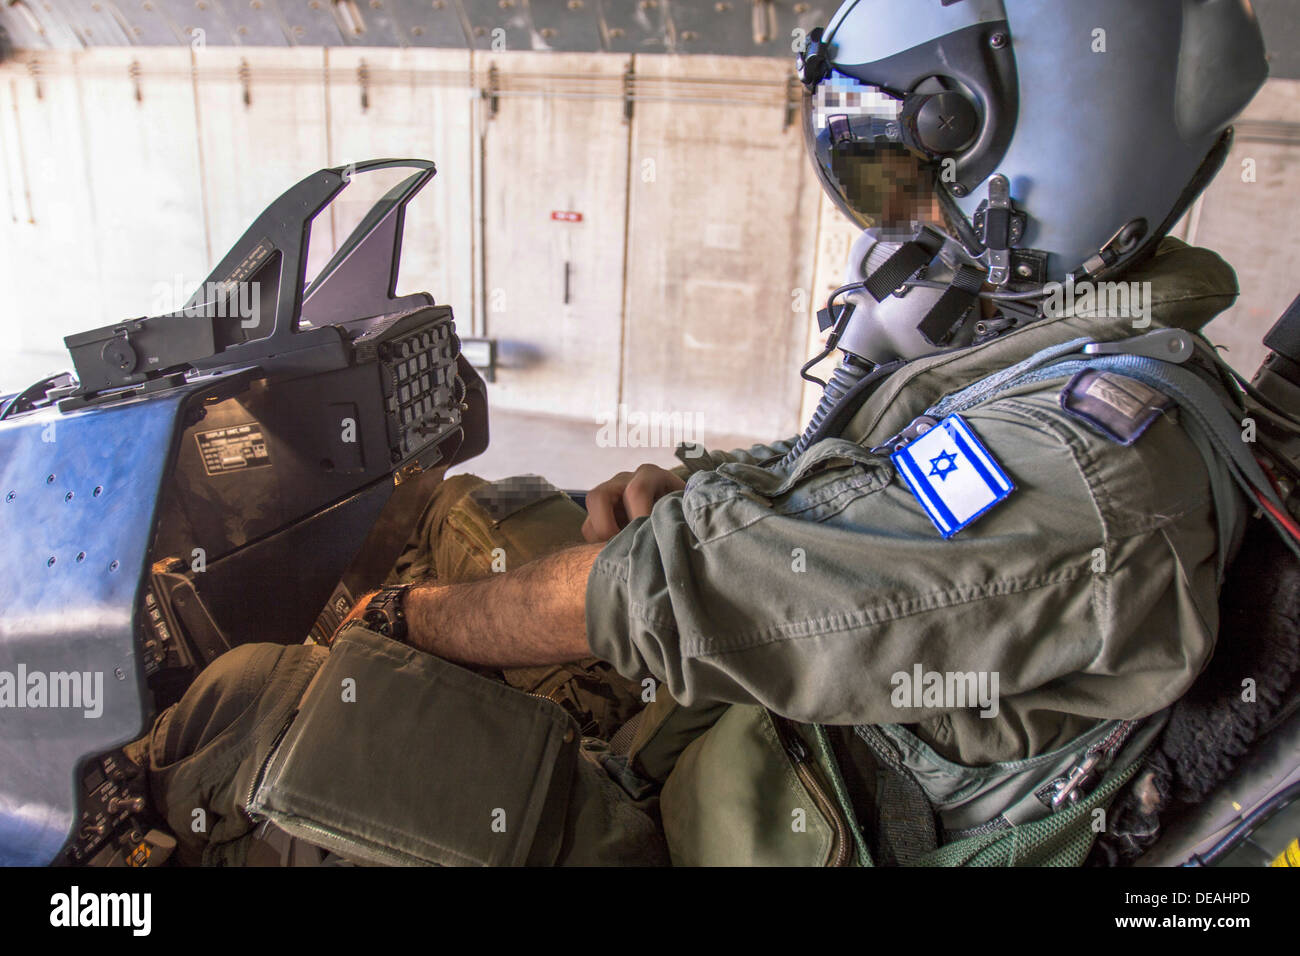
(801, 759)
(266, 764)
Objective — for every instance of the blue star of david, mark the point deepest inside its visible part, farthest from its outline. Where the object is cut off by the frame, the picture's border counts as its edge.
(943, 465)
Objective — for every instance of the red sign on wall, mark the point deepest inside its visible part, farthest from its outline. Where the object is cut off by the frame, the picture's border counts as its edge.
(564, 215)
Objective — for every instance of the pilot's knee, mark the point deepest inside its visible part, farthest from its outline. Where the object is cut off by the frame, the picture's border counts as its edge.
(225, 689)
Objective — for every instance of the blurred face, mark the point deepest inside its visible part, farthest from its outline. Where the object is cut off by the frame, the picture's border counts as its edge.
(887, 184)
(853, 136)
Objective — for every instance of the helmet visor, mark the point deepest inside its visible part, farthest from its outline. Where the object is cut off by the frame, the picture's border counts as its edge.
(854, 136)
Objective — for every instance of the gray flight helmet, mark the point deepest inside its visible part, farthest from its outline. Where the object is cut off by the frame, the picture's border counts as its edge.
(1106, 119)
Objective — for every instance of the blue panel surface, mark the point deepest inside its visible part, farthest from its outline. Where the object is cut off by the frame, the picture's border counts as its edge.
(77, 505)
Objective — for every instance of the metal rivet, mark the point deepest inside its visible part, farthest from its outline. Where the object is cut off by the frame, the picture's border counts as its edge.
(68, 496)
(113, 566)
(50, 563)
(119, 673)
(998, 41)
(11, 496)
(1025, 269)
(81, 556)
(49, 479)
(958, 189)
(99, 490)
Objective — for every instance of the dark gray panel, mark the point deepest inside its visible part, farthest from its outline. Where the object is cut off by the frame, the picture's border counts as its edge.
(367, 23)
(725, 27)
(567, 25)
(93, 23)
(254, 22)
(499, 24)
(309, 22)
(635, 26)
(201, 15)
(145, 24)
(433, 23)
(33, 26)
(151, 24)
(743, 27)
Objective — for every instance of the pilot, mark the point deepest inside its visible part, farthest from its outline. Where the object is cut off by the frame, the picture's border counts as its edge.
(941, 625)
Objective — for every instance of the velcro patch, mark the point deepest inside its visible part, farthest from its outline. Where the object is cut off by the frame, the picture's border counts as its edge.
(952, 475)
(1119, 407)
(505, 496)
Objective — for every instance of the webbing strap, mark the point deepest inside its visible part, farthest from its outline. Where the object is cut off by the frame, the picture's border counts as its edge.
(903, 263)
(952, 307)
(1207, 410)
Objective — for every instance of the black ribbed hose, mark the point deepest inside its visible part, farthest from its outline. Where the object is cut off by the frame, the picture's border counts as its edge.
(849, 385)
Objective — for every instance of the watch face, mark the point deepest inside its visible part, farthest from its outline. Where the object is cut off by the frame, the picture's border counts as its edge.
(385, 612)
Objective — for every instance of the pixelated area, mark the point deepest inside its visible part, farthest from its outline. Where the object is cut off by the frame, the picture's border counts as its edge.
(505, 496)
(870, 169)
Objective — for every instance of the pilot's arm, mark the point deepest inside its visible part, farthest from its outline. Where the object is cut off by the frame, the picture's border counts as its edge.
(532, 615)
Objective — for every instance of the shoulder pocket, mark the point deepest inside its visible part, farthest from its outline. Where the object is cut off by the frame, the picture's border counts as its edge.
(825, 479)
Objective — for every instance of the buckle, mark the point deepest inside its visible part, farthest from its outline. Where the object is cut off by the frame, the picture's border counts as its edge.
(1167, 345)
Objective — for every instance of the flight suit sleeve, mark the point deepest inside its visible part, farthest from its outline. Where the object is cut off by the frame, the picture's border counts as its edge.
(809, 593)
(695, 457)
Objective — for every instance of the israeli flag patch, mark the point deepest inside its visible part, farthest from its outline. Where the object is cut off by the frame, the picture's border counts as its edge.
(952, 475)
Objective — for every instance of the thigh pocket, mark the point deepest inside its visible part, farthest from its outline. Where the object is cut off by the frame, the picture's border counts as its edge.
(398, 757)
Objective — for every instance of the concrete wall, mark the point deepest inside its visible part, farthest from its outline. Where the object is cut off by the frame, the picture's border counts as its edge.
(687, 287)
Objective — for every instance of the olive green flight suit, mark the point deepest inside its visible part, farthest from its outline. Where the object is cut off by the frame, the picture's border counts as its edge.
(1091, 591)
(205, 753)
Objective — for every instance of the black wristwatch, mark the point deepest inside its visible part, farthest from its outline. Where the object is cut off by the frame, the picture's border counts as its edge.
(386, 612)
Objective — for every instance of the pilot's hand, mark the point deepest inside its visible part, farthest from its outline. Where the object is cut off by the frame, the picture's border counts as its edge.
(612, 504)
(357, 611)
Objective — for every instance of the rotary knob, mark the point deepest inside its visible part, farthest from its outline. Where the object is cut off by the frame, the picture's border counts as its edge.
(118, 355)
